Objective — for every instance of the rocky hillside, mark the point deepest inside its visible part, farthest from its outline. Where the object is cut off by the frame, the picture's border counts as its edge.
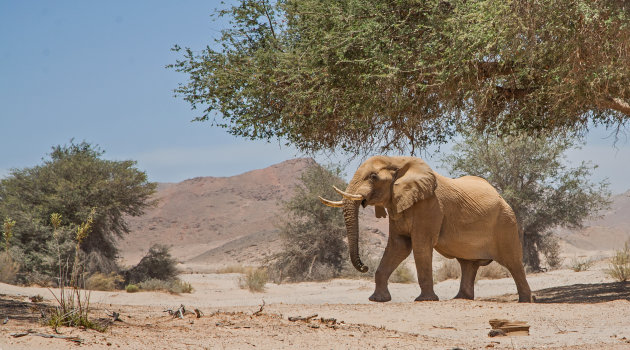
(223, 220)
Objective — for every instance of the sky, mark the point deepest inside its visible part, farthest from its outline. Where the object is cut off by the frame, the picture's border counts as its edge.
(95, 72)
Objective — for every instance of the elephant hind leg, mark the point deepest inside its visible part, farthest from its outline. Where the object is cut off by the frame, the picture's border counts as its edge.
(518, 273)
(467, 284)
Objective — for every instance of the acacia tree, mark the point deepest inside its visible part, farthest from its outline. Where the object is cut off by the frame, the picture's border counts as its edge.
(532, 176)
(312, 234)
(368, 75)
(72, 182)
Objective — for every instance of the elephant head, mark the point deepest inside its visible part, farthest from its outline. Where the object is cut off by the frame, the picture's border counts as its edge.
(395, 183)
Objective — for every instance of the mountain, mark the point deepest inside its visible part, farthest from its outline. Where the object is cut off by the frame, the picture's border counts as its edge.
(224, 220)
(607, 232)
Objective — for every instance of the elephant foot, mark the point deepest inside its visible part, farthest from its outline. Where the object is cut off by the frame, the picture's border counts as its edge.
(428, 297)
(462, 295)
(527, 299)
(380, 297)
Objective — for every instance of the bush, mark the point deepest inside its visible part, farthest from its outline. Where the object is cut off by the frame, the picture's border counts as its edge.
(449, 270)
(172, 286)
(402, 274)
(620, 264)
(254, 280)
(579, 265)
(492, 271)
(99, 281)
(132, 288)
(156, 264)
(8, 268)
(234, 269)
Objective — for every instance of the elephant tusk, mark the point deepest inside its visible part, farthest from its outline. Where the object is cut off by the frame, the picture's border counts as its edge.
(331, 203)
(354, 197)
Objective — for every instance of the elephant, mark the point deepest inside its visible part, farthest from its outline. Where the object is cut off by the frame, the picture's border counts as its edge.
(463, 218)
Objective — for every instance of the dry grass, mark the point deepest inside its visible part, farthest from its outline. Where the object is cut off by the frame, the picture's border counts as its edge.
(450, 269)
(254, 280)
(172, 286)
(620, 264)
(492, 271)
(579, 265)
(402, 274)
(235, 269)
(99, 281)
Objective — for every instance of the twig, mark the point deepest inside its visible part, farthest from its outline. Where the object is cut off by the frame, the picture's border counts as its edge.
(115, 315)
(198, 313)
(300, 318)
(44, 335)
(259, 312)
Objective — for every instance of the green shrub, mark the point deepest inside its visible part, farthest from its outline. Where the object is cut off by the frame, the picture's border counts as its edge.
(254, 280)
(156, 264)
(99, 281)
(620, 264)
(579, 265)
(132, 288)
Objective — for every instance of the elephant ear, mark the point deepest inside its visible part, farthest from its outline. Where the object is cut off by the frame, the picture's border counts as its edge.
(380, 211)
(414, 182)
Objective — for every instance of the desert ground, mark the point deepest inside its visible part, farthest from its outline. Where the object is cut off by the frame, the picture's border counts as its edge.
(574, 310)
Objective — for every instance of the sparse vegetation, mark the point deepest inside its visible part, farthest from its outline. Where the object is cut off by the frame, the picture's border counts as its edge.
(312, 234)
(492, 271)
(620, 264)
(171, 286)
(254, 280)
(73, 305)
(579, 264)
(8, 267)
(234, 269)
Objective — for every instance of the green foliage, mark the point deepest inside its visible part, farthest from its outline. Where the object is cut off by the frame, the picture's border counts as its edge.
(8, 268)
(620, 264)
(579, 265)
(531, 175)
(7, 232)
(156, 264)
(312, 234)
(99, 281)
(72, 181)
(254, 280)
(132, 288)
(357, 74)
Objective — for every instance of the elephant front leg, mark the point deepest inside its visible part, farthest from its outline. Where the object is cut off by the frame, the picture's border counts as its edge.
(397, 249)
(423, 255)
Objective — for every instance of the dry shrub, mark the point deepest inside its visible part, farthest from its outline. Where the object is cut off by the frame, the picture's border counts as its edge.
(579, 265)
(449, 270)
(402, 274)
(254, 280)
(620, 264)
(8, 268)
(492, 271)
(234, 269)
(172, 286)
(99, 281)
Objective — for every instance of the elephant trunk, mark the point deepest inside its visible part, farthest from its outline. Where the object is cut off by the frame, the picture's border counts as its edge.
(351, 217)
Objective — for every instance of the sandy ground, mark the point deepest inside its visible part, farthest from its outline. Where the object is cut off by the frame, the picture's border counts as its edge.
(575, 310)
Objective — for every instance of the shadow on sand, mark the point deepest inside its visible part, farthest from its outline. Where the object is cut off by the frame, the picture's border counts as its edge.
(576, 294)
(15, 309)
(584, 293)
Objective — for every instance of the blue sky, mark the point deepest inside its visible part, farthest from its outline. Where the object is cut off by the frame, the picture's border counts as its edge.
(94, 71)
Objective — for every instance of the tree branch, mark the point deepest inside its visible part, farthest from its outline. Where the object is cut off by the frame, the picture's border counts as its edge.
(615, 103)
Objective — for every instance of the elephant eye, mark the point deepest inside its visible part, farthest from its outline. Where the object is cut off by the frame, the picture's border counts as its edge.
(373, 176)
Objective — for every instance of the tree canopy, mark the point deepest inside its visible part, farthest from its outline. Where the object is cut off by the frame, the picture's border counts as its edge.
(368, 75)
(532, 176)
(74, 181)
